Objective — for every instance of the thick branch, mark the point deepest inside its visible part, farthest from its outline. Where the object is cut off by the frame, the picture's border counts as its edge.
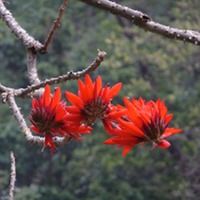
(26, 131)
(55, 25)
(31, 67)
(27, 40)
(143, 21)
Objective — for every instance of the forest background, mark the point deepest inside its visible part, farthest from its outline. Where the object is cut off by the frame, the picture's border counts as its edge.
(148, 65)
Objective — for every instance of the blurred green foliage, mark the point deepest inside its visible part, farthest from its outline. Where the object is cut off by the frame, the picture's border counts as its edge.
(148, 65)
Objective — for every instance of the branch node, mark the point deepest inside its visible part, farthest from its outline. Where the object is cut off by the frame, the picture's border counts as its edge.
(4, 96)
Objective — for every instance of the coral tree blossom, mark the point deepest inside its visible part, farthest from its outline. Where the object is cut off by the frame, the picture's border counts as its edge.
(49, 116)
(92, 102)
(144, 121)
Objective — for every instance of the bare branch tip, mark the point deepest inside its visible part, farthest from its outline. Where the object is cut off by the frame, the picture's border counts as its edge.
(101, 54)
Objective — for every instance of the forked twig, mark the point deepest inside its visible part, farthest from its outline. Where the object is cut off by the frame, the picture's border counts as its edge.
(55, 26)
(69, 76)
(30, 90)
(27, 40)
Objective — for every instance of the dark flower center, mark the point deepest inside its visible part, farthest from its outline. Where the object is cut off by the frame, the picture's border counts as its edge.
(94, 110)
(44, 119)
(155, 128)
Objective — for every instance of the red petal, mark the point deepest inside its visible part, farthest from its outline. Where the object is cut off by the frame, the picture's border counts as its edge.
(49, 141)
(78, 129)
(97, 87)
(160, 105)
(35, 129)
(72, 109)
(89, 86)
(109, 141)
(108, 127)
(77, 118)
(114, 91)
(74, 100)
(56, 98)
(131, 128)
(103, 94)
(128, 144)
(46, 96)
(136, 112)
(83, 92)
(168, 118)
(122, 141)
(126, 150)
(60, 113)
(34, 103)
(171, 131)
(133, 113)
(113, 129)
(164, 144)
(115, 115)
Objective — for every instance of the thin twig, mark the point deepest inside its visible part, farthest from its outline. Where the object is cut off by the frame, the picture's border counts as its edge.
(55, 25)
(27, 40)
(143, 21)
(31, 91)
(69, 76)
(12, 176)
(31, 67)
(59, 141)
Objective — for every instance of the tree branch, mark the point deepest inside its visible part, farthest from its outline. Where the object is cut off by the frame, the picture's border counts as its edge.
(4, 88)
(69, 76)
(27, 40)
(31, 67)
(12, 176)
(143, 21)
(30, 90)
(25, 129)
(55, 25)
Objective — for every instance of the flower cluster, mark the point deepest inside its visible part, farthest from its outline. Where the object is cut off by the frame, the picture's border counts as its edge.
(144, 122)
(92, 102)
(49, 117)
(138, 122)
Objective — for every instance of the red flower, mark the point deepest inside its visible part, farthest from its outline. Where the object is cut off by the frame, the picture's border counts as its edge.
(144, 122)
(93, 102)
(49, 116)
